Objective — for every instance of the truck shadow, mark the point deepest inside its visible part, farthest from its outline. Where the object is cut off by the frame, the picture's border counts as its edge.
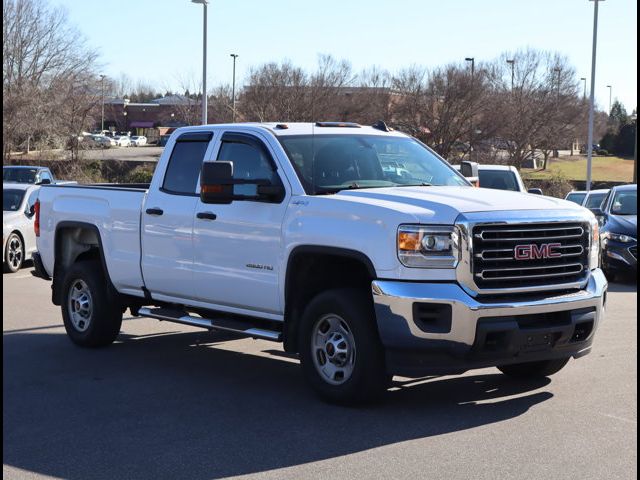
(177, 406)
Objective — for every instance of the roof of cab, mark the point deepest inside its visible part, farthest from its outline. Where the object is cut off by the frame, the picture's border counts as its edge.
(310, 128)
(631, 186)
(24, 167)
(18, 186)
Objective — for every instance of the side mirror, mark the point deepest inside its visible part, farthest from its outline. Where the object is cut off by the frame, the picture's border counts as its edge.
(216, 182)
(217, 185)
(30, 211)
(44, 181)
(535, 191)
(469, 169)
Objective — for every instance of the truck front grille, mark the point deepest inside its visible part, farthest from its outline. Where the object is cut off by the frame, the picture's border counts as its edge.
(518, 255)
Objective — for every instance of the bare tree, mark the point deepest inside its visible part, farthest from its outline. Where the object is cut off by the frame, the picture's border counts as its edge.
(541, 108)
(41, 51)
(81, 109)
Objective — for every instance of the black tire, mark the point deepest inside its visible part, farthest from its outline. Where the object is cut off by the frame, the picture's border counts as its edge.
(102, 324)
(544, 368)
(13, 253)
(368, 378)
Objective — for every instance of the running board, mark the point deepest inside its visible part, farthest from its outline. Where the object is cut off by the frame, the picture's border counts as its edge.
(228, 325)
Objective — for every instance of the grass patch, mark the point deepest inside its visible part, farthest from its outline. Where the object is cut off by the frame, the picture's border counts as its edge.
(612, 169)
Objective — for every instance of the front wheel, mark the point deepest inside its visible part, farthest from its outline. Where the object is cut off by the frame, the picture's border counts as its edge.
(544, 368)
(13, 253)
(91, 312)
(342, 357)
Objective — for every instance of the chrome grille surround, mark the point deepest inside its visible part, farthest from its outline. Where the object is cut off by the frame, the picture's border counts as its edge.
(473, 274)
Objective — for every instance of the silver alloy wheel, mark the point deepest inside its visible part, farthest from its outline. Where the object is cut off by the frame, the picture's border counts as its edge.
(15, 252)
(333, 349)
(80, 305)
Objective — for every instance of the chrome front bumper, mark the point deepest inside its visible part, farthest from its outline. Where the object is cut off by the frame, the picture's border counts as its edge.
(394, 307)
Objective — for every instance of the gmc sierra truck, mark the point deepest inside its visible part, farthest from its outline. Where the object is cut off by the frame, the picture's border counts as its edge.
(358, 247)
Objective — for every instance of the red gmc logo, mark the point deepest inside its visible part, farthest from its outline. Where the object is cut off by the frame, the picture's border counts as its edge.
(537, 252)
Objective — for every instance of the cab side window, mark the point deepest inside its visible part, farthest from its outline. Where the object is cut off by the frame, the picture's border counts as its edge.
(250, 162)
(183, 170)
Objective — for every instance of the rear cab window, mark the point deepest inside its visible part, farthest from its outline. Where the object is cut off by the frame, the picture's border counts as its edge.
(499, 180)
(183, 169)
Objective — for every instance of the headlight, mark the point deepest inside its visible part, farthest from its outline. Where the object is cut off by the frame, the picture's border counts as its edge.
(594, 255)
(423, 246)
(618, 237)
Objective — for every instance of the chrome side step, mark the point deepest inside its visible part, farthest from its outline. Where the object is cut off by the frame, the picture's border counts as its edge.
(229, 325)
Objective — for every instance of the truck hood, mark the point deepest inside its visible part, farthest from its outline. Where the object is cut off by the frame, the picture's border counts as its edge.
(444, 204)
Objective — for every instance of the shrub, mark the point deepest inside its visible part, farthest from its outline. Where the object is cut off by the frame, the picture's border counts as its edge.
(139, 175)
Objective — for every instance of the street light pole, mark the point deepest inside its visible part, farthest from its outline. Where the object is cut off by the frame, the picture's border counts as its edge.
(102, 113)
(591, 94)
(609, 87)
(204, 4)
(473, 62)
(584, 90)
(233, 89)
(512, 63)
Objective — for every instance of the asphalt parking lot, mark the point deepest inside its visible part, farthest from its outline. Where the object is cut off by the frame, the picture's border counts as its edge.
(168, 401)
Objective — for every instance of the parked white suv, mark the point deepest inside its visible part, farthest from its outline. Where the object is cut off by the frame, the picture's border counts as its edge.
(123, 141)
(357, 247)
(138, 140)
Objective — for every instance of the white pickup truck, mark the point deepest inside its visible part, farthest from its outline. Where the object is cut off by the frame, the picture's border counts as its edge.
(358, 247)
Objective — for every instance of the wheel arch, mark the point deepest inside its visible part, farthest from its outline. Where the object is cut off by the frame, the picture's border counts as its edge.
(74, 241)
(312, 269)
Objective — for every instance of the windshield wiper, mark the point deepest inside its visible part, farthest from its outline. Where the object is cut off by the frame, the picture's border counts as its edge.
(352, 186)
(422, 184)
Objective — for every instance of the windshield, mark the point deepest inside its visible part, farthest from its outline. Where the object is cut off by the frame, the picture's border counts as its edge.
(576, 197)
(11, 199)
(498, 180)
(19, 175)
(330, 163)
(595, 200)
(625, 203)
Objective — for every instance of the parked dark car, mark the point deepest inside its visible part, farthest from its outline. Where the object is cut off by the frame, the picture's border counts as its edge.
(619, 231)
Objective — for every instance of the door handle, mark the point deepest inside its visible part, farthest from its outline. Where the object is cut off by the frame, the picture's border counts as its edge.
(206, 215)
(154, 211)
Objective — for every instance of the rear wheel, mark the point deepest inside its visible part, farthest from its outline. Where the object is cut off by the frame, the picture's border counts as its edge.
(342, 357)
(540, 369)
(91, 311)
(13, 253)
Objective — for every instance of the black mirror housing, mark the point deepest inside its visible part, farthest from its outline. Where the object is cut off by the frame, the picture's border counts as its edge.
(535, 191)
(469, 169)
(217, 185)
(216, 182)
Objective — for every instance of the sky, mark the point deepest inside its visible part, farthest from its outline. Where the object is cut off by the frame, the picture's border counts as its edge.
(160, 41)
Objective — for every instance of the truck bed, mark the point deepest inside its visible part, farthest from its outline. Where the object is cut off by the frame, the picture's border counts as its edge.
(114, 210)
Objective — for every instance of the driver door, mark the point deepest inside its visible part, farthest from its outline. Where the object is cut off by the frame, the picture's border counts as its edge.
(238, 246)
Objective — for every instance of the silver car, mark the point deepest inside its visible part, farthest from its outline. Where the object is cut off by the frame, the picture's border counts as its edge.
(18, 236)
